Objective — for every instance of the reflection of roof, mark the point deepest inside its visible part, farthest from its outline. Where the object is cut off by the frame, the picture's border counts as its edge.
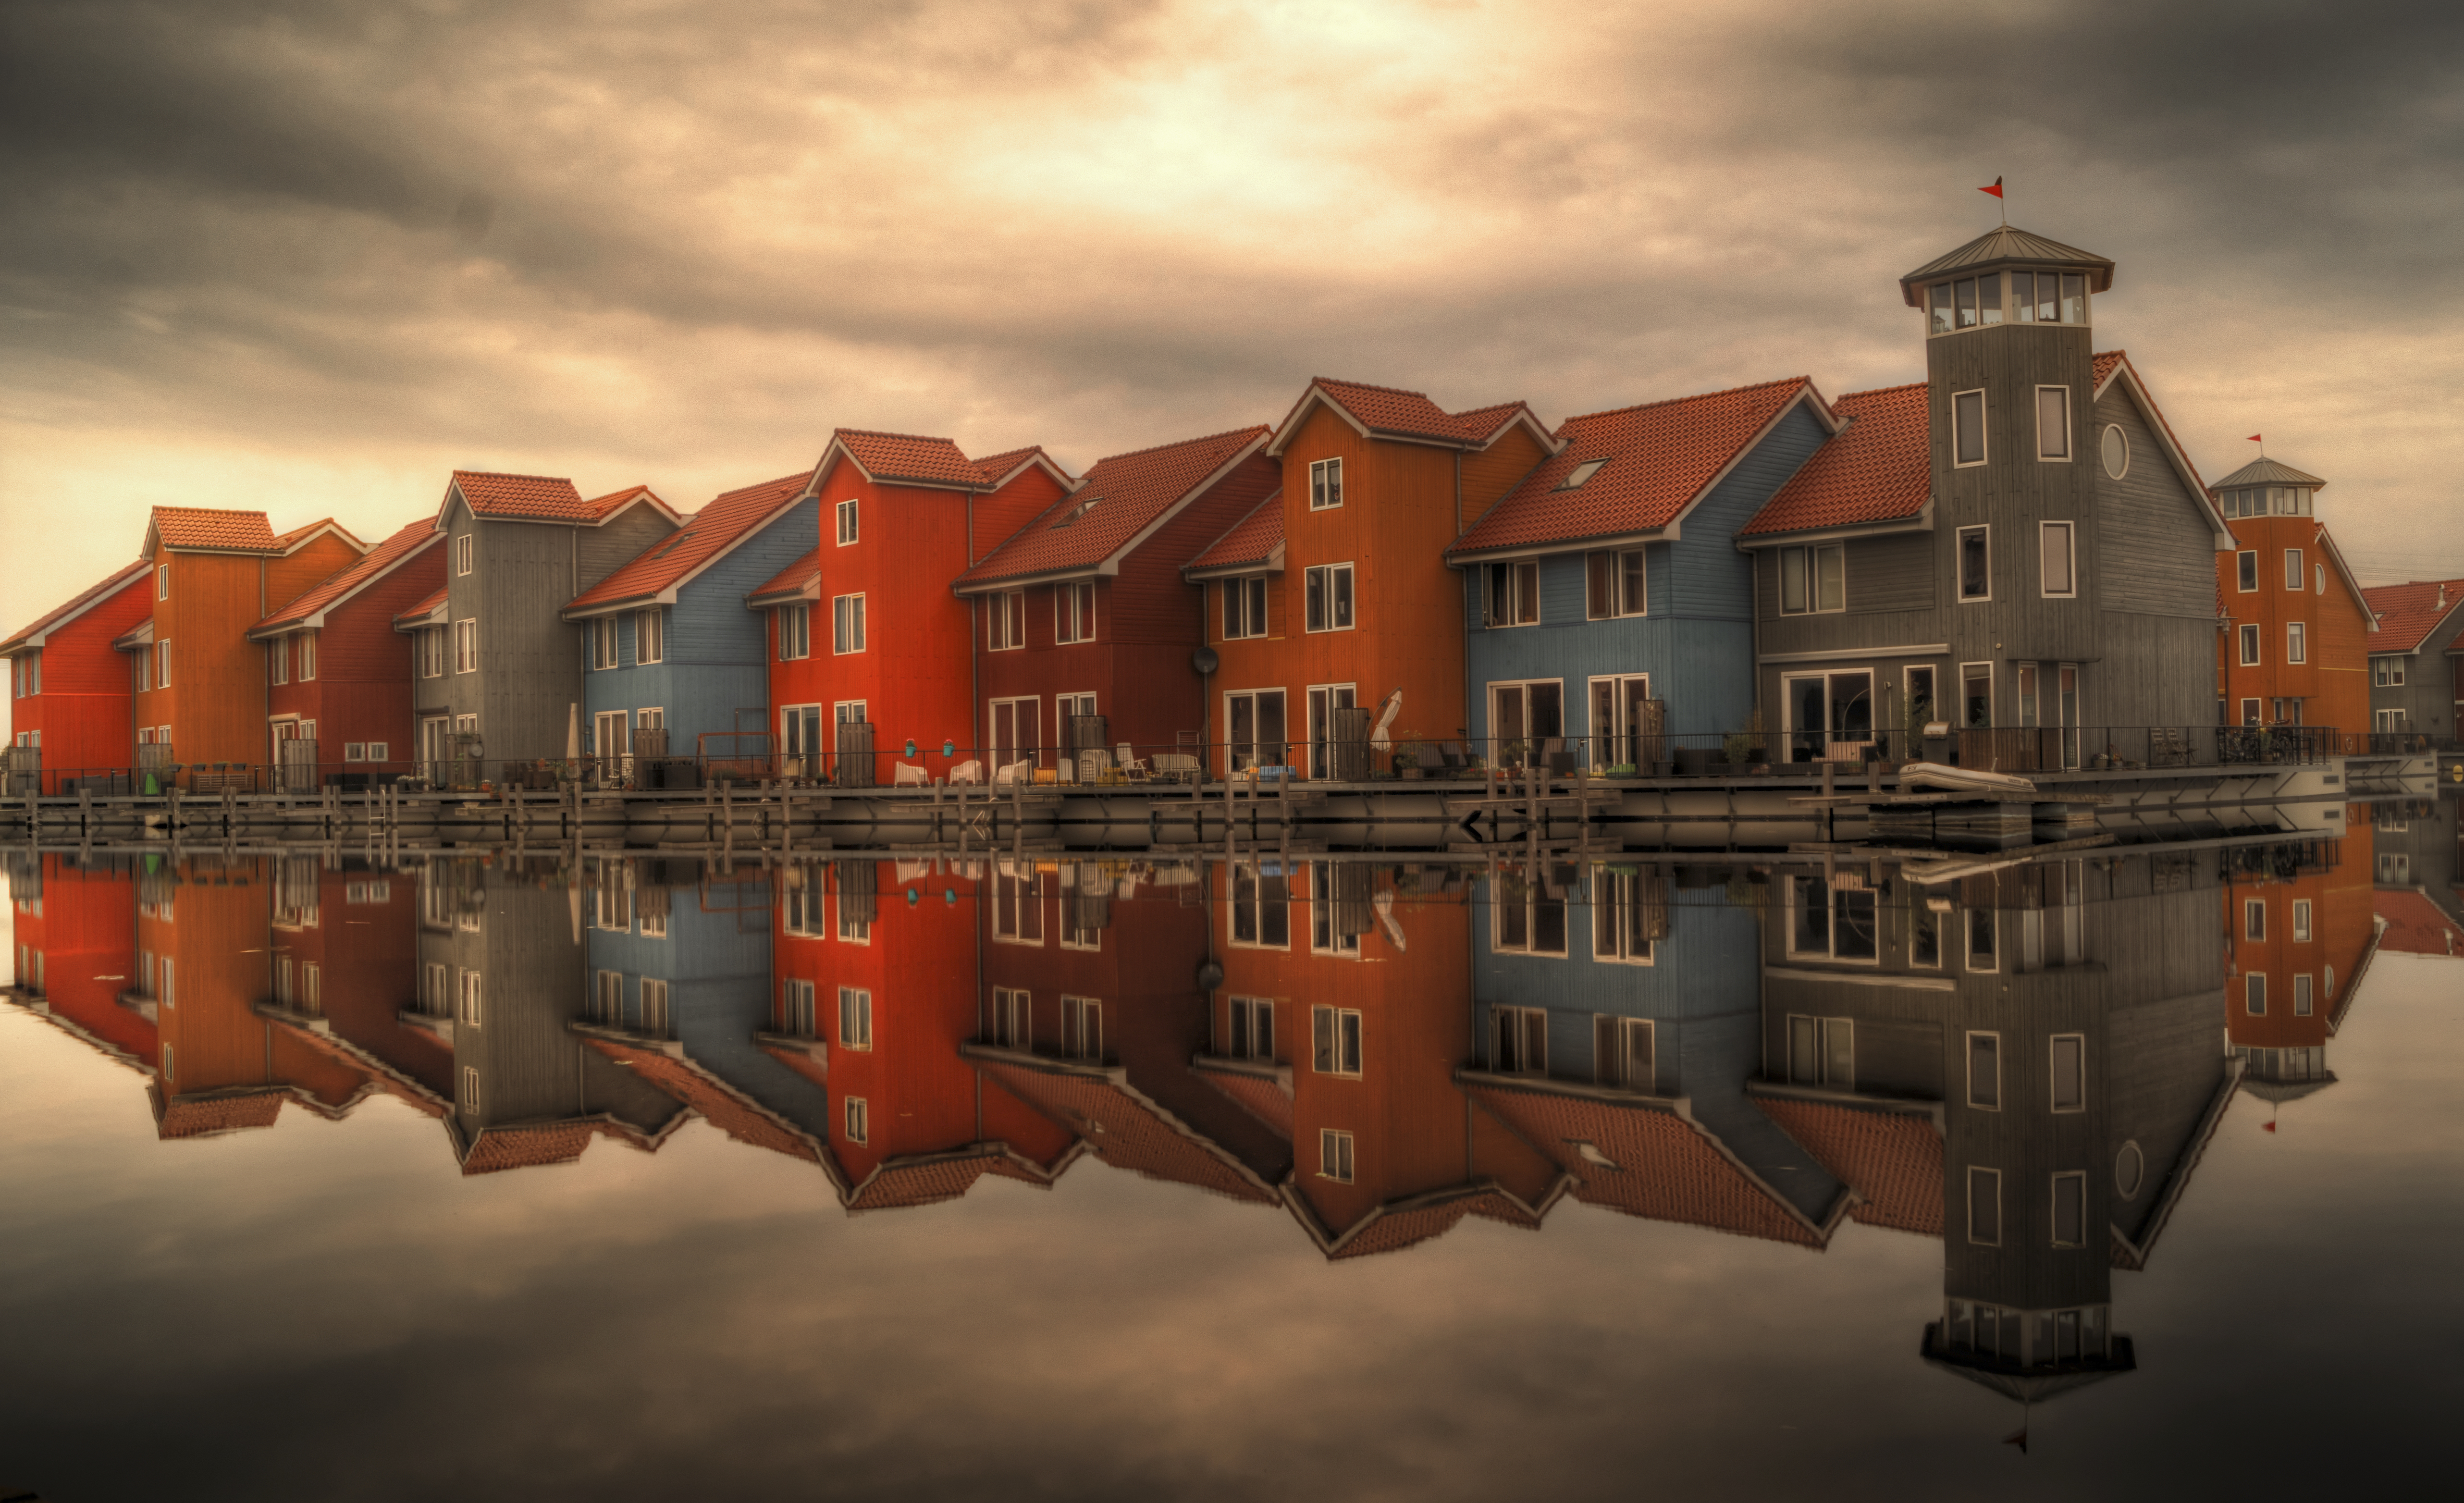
(910, 1179)
(729, 1109)
(526, 1145)
(1660, 457)
(2023, 1384)
(61, 614)
(1115, 504)
(710, 533)
(213, 1113)
(2129, 1254)
(2409, 613)
(1121, 1124)
(2414, 925)
(1256, 542)
(397, 550)
(1891, 1159)
(1879, 468)
(1414, 1218)
(1264, 1096)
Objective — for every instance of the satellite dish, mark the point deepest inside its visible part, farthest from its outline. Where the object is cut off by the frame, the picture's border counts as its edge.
(1210, 975)
(1205, 661)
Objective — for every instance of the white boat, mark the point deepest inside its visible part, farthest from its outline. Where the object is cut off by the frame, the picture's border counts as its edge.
(1961, 780)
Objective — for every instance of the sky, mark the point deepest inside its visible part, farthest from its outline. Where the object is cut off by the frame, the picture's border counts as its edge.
(311, 259)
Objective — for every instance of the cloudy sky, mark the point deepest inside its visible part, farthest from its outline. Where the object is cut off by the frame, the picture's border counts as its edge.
(312, 257)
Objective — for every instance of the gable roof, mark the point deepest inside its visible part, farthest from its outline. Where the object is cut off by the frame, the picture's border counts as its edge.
(298, 537)
(33, 633)
(540, 497)
(709, 536)
(2414, 925)
(203, 529)
(309, 610)
(1407, 416)
(800, 579)
(1877, 468)
(723, 1106)
(428, 613)
(1256, 542)
(2115, 366)
(1121, 1124)
(2003, 246)
(1130, 494)
(2409, 613)
(904, 459)
(1407, 1221)
(1661, 458)
(999, 470)
(1892, 1159)
(2263, 471)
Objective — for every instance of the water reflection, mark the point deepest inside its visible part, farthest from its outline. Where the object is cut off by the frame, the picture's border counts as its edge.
(2016, 1055)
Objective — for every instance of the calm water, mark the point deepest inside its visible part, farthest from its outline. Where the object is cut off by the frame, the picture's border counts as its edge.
(884, 1179)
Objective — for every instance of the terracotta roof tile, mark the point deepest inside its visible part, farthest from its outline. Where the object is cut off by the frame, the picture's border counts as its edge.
(2105, 366)
(299, 535)
(205, 528)
(2407, 613)
(712, 529)
(1395, 1230)
(1252, 541)
(1114, 502)
(1392, 411)
(601, 507)
(910, 457)
(527, 1147)
(1660, 456)
(550, 497)
(208, 1117)
(899, 1184)
(120, 580)
(424, 607)
(993, 467)
(800, 578)
(1261, 1099)
(410, 540)
(1126, 1130)
(1892, 1159)
(2414, 925)
(1879, 468)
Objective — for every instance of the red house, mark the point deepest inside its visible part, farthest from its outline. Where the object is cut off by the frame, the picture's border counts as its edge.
(868, 633)
(1084, 610)
(77, 956)
(338, 673)
(68, 692)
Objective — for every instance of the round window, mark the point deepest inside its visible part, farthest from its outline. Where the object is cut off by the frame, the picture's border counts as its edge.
(2129, 1168)
(2116, 450)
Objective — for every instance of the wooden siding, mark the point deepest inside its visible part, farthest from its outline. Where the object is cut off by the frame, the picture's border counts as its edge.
(289, 577)
(84, 714)
(2334, 683)
(362, 688)
(215, 704)
(1891, 573)
(2431, 695)
(1487, 476)
(2156, 555)
(598, 552)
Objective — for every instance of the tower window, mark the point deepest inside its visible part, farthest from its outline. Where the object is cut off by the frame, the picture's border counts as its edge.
(1967, 428)
(2052, 422)
(2291, 568)
(1975, 563)
(2246, 569)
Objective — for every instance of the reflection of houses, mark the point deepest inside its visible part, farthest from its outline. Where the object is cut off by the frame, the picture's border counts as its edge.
(2020, 1061)
(2418, 845)
(343, 976)
(77, 953)
(2299, 921)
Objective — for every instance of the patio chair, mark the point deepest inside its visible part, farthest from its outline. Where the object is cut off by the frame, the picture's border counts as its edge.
(1178, 766)
(1091, 765)
(969, 771)
(1133, 767)
(1454, 756)
(1556, 758)
(908, 775)
(1014, 772)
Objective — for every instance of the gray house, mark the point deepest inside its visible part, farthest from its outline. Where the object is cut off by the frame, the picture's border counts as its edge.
(2015, 545)
(2417, 660)
(495, 659)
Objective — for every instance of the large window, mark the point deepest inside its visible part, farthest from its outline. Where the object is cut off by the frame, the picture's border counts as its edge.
(1006, 621)
(1513, 595)
(1334, 1041)
(1254, 719)
(1018, 907)
(1262, 915)
(1627, 916)
(1326, 484)
(1328, 591)
(1244, 607)
(795, 632)
(846, 522)
(1518, 1041)
(1974, 302)
(1081, 1028)
(2057, 573)
(1967, 428)
(1527, 919)
(2386, 673)
(2054, 423)
(2246, 570)
(1622, 1052)
(431, 651)
(651, 637)
(1822, 1052)
(1814, 579)
(1013, 1017)
(846, 624)
(1975, 563)
(1074, 612)
(1831, 923)
(1253, 1028)
(1615, 584)
(859, 1119)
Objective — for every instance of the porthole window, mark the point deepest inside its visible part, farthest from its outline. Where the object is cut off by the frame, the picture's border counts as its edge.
(2116, 450)
(2129, 1171)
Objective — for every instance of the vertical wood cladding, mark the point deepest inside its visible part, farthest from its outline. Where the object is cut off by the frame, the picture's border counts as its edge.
(2155, 556)
(1488, 475)
(215, 703)
(1891, 573)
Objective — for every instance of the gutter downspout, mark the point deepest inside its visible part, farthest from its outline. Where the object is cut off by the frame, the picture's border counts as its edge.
(974, 696)
(1755, 622)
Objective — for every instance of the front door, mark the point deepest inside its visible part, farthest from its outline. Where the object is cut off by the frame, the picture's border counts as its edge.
(800, 735)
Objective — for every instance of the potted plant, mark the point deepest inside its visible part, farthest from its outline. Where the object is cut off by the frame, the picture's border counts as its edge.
(1407, 762)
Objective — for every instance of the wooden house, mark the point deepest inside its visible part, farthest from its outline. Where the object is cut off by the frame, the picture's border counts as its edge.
(2294, 646)
(74, 928)
(2017, 542)
(669, 645)
(337, 675)
(344, 984)
(1331, 596)
(2418, 845)
(499, 665)
(1085, 612)
(199, 682)
(1609, 577)
(867, 632)
(69, 693)
(2417, 661)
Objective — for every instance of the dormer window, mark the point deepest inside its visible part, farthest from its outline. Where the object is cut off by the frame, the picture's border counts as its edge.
(1974, 302)
(1076, 512)
(1574, 477)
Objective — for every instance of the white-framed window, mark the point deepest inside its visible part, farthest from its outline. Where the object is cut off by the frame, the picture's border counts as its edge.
(436, 991)
(1006, 621)
(431, 647)
(2250, 711)
(2254, 919)
(1822, 1052)
(2301, 1002)
(1984, 940)
(2250, 644)
(1251, 1031)
(1967, 428)
(1076, 934)
(859, 1120)
(1261, 908)
(1614, 583)
(1074, 612)
(468, 1009)
(1325, 930)
(1975, 563)
(1833, 921)
(2255, 994)
(1254, 721)
(610, 993)
(1081, 1028)
(2116, 450)
(277, 661)
(1518, 1041)
(2302, 920)
(846, 624)
(1326, 485)
(2057, 560)
(163, 582)
(847, 520)
(1244, 607)
(1926, 925)
(1320, 702)
(2297, 642)
(1623, 917)
(1013, 1017)
(654, 1006)
(466, 646)
(2069, 1059)
(1527, 919)
(2069, 1210)
(795, 1017)
(602, 642)
(1335, 1162)
(1334, 1041)
(2246, 570)
(1623, 1052)
(163, 665)
(1813, 580)
(1984, 1206)
(1018, 907)
(464, 553)
(651, 637)
(856, 1018)
(853, 927)
(1514, 598)
(795, 632)
(307, 656)
(470, 1088)
(2053, 424)
(2292, 568)
(1327, 591)
(169, 994)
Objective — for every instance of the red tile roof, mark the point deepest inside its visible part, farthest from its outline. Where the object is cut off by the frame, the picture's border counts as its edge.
(1264, 1099)
(422, 608)
(900, 1184)
(296, 535)
(2414, 925)
(402, 545)
(527, 1147)
(1252, 543)
(910, 457)
(1124, 1128)
(1892, 1159)
(2407, 613)
(1662, 456)
(111, 583)
(600, 508)
(713, 529)
(208, 1117)
(1667, 1169)
(994, 467)
(1390, 411)
(801, 579)
(212, 530)
(1879, 468)
(1128, 491)
(1417, 1220)
(546, 498)
(2105, 366)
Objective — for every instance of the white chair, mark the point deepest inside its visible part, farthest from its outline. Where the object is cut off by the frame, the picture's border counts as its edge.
(1179, 766)
(911, 776)
(1020, 771)
(1133, 767)
(1091, 765)
(968, 771)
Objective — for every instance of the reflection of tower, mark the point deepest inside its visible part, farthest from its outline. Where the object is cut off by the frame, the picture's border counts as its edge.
(2299, 925)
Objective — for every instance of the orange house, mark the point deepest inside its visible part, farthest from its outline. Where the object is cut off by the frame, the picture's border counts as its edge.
(338, 673)
(199, 681)
(69, 693)
(1340, 593)
(2295, 646)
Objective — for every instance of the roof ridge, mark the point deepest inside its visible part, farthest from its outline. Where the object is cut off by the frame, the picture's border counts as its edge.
(1371, 386)
(1177, 443)
(508, 474)
(883, 432)
(1699, 396)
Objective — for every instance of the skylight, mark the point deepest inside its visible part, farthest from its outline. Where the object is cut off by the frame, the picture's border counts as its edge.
(1077, 511)
(1575, 476)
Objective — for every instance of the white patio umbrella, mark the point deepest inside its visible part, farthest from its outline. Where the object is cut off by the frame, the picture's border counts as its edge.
(1393, 707)
(572, 732)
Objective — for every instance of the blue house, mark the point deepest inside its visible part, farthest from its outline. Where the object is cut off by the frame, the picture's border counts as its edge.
(666, 643)
(1610, 577)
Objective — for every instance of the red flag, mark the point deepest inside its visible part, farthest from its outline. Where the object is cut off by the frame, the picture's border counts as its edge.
(2256, 439)
(2267, 1127)
(1995, 189)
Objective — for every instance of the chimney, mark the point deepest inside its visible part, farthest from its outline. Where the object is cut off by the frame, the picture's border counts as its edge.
(2442, 595)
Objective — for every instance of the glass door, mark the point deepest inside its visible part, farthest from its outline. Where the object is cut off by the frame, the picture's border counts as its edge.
(2066, 711)
(1323, 702)
(1255, 720)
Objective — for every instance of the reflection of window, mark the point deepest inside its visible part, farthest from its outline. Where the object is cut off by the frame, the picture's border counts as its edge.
(1622, 1052)
(1518, 1041)
(2070, 1072)
(1253, 1028)
(1924, 937)
(2129, 1171)
(1983, 933)
(2255, 994)
(468, 1009)
(1334, 1041)
(1327, 936)
(1626, 916)
(2069, 1210)
(1260, 915)
(1822, 1052)
(2254, 919)
(856, 1018)
(859, 1120)
(1527, 920)
(2302, 995)
(1985, 1072)
(1839, 924)
(1081, 1028)
(654, 1006)
(1984, 1206)
(1013, 1014)
(1334, 1155)
(799, 1021)
(2301, 921)
(1018, 907)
